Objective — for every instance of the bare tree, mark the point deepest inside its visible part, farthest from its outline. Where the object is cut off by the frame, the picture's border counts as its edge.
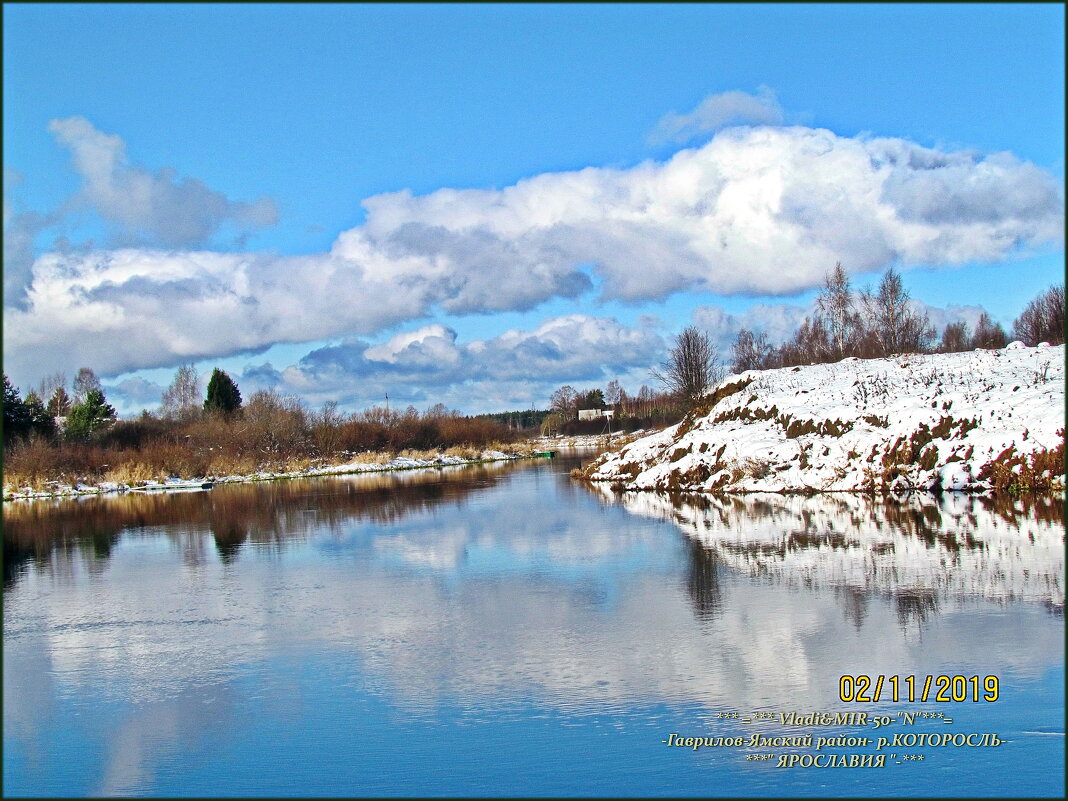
(1043, 319)
(552, 423)
(564, 400)
(181, 400)
(897, 327)
(326, 429)
(613, 393)
(749, 352)
(691, 368)
(836, 305)
(813, 342)
(50, 383)
(84, 382)
(988, 334)
(276, 423)
(439, 411)
(955, 338)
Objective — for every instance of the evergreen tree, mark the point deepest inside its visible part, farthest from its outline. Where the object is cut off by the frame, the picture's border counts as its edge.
(59, 404)
(16, 414)
(223, 394)
(49, 384)
(41, 422)
(90, 415)
(591, 399)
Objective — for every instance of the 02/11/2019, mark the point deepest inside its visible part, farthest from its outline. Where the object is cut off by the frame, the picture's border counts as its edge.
(912, 688)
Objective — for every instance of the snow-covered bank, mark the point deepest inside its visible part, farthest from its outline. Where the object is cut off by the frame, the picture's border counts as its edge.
(955, 421)
(56, 489)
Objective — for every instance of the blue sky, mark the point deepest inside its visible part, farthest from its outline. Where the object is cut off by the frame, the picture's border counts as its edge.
(188, 183)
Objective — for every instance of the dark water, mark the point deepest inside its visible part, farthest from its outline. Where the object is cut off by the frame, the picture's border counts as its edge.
(503, 630)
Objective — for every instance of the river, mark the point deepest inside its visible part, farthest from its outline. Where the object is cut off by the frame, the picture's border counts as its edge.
(504, 630)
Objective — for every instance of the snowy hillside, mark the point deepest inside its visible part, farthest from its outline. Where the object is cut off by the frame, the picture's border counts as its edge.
(907, 422)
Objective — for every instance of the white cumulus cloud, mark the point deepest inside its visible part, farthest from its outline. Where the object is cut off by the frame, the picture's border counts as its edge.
(765, 210)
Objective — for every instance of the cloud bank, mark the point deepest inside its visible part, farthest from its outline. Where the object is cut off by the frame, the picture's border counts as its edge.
(139, 208)
(754, 211)
(509, 371)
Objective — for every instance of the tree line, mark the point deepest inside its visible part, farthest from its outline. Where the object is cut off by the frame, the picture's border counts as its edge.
(78, 418)
(866, 324)
(648, 408)
(885, 322)
(217, 433)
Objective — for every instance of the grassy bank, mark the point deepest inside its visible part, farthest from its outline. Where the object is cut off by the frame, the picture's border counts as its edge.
(137, 476)
(270, 434)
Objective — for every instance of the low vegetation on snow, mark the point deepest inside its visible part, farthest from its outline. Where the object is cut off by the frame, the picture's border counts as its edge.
(977, 421)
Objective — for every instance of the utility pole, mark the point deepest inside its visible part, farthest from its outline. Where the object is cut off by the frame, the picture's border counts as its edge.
(387, 404)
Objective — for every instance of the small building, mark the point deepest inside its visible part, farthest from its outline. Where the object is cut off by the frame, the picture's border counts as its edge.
(595, 414)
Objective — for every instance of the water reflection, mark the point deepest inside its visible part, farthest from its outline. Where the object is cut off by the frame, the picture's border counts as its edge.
(703, 581)
(51, 533)
(922, 550)
(294, 612)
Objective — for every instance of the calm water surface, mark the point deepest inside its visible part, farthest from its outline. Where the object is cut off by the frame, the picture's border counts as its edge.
(502, 630)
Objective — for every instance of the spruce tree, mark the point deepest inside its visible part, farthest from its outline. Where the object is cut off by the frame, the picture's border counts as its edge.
(88, 416)
(223, 394)
(41, 422)
(16, 414)
(59, 404)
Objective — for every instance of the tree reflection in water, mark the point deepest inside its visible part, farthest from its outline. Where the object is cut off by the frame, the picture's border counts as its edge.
(267, 514)
(920, 551)
(703, 583)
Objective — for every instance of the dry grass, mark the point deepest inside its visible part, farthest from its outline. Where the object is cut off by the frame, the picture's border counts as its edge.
(1015, 473)
(40, 466)
(271, 434)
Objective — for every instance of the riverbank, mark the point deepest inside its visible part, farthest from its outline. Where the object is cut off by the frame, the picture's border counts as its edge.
(984, 421)
(362, 463)
(367, 463)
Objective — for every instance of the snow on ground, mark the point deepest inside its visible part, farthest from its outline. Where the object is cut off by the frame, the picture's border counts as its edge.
(56, 489)
(907, 422)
